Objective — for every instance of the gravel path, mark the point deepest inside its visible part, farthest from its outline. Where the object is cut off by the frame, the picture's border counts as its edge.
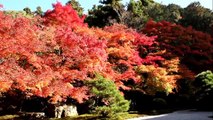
(180, 115)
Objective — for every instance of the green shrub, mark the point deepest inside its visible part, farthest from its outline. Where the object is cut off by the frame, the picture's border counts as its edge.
(204, 89)
(107, 99)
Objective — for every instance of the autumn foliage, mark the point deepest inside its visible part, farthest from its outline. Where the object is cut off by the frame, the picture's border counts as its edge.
(52, 56)
(194, 48)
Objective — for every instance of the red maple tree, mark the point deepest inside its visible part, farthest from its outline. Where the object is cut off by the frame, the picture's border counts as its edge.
(51, 57)
(194, 48)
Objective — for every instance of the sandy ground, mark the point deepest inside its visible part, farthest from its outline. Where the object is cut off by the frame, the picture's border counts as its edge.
(180, 115)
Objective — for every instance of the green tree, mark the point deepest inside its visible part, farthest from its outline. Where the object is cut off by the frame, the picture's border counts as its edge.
(156, 12)
(173, 13)
(198, 17)
(114, 4)
(146, 2)
(204, 89)
(108, 100)
(139, 12)
(136, 16)
(27, 10)
(136, 7)
(76, 5)
(39, 11)
(159, 12)
(109, 12)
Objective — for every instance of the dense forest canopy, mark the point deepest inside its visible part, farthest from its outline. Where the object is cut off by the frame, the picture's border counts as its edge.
(144, 46)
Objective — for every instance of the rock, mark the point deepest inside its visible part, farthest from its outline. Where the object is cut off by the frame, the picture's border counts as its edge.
(70, 110)
(58, 111)
(65, 111)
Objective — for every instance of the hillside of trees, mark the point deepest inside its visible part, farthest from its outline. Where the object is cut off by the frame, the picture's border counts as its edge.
(119, 58)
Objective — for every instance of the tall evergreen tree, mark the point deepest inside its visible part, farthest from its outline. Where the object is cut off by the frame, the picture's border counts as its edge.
(76, 5)
(198, 17)
(146, 2)
(39, 11)
(109, 12)
(27, 10)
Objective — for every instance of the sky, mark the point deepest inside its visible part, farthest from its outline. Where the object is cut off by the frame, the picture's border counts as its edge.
(86, 4)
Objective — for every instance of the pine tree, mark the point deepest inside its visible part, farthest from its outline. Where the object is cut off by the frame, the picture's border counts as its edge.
(107, 94)
(76, 6)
